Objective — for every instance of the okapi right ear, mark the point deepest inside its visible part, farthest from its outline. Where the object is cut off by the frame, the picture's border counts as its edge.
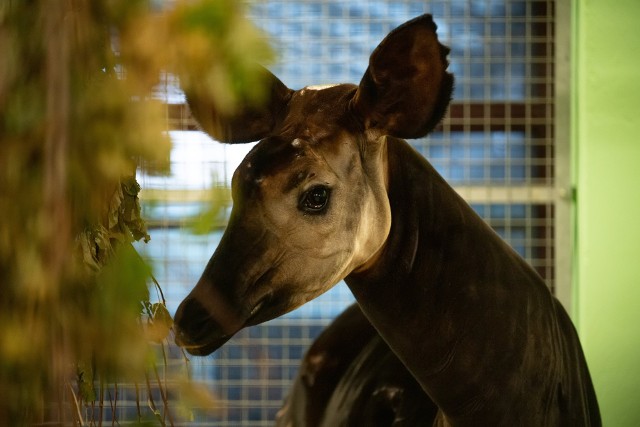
(250, 121)
(406, 90)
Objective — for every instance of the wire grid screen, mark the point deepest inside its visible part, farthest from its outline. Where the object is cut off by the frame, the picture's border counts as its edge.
(495, 147)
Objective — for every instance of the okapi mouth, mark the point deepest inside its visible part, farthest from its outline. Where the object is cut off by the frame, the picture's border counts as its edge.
(205, 349)
(196, 330)
(200, 334)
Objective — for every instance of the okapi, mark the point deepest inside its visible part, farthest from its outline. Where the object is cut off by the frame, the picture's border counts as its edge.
(332, 192)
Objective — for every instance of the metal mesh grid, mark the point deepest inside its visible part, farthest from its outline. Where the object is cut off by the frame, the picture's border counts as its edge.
(496, 147)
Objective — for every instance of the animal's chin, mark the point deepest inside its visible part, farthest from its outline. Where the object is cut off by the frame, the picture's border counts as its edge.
(207, 349)
(209, 340)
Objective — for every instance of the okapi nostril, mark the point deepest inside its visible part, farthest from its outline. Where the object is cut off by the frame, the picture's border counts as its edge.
(190, 317)
(196, 330)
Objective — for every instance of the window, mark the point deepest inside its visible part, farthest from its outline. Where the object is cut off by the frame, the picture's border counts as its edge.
(497, 146)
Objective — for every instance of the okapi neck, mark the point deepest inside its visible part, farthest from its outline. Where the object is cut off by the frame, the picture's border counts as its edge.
(440, 282)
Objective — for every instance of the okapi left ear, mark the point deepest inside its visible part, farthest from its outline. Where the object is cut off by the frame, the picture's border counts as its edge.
(250, 121)
(406, 88)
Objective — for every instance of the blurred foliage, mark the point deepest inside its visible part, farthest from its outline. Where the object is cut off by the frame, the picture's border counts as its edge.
(76, 115)
(214, 215)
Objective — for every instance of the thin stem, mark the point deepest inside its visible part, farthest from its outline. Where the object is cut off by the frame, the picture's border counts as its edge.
(152, 404)
(138, 402)
(101, 404)
(77, 412)
(163, 394)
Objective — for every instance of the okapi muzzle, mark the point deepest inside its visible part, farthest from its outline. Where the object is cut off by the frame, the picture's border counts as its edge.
(310, 199)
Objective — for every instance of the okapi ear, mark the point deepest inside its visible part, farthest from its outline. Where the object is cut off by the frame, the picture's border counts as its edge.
(406, 88)
(250, 121)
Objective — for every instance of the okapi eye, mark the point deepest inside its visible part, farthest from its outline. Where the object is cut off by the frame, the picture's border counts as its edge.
(315, 200)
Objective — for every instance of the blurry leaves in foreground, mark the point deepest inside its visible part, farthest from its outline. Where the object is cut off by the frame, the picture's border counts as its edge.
(76, 116)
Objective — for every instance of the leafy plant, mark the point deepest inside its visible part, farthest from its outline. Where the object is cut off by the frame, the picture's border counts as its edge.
(76, 115)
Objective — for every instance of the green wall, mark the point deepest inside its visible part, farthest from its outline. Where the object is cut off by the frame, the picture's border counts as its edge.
(606, 144)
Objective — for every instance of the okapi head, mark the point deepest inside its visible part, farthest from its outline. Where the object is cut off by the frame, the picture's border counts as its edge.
(310, 199)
